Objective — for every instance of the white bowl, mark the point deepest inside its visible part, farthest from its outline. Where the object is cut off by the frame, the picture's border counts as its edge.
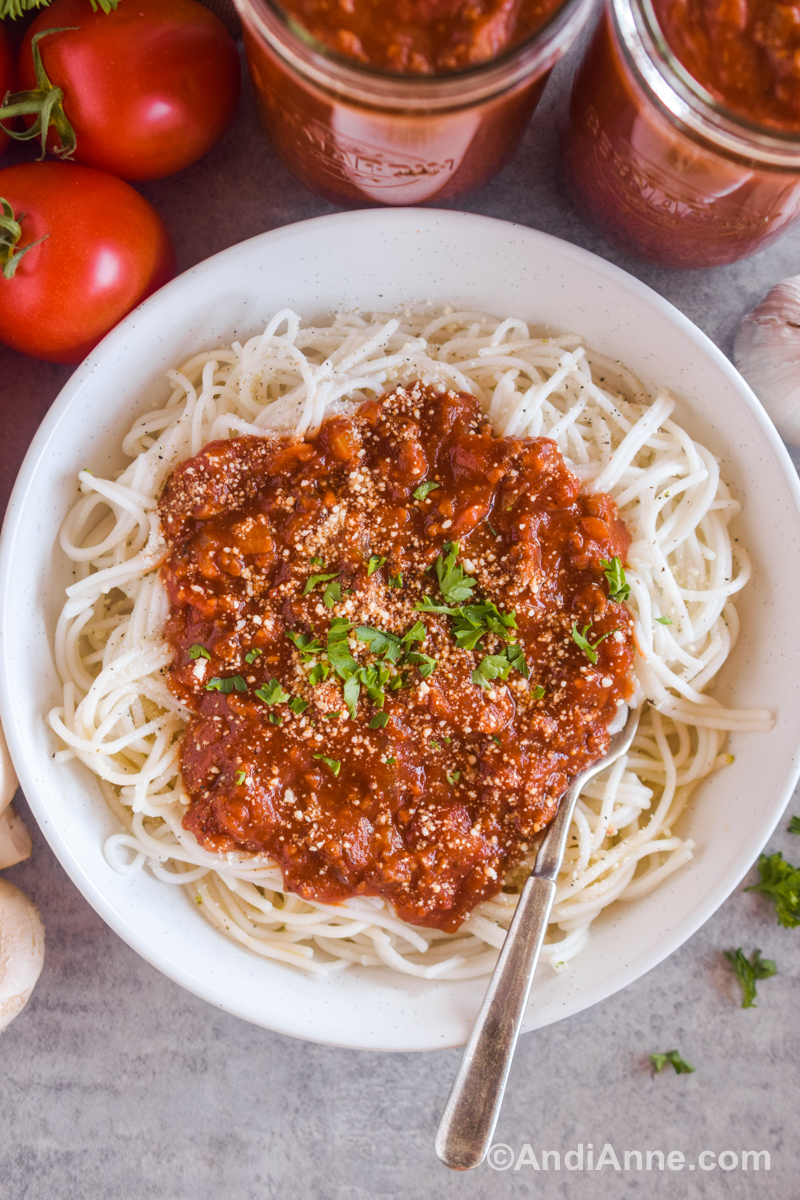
(385, 259)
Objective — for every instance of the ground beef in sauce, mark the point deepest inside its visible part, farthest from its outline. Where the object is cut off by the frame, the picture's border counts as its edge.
(438, 786)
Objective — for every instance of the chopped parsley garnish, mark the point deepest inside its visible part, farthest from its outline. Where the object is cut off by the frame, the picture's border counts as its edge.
(313, 580)
(382, 645)
(375, 563)
(317, 561)
(614, 572)
(434, 745)
(396, 581)
(274, 719)
(748, 971)
(240, 778)
(297, 705)
(332, 594)
(417, 633)
(675, 1059)
(472, 621)
(232, 683)
(339, 654)
(332, 764)
(794, 825)
(318, 673)
(331, 716)
(379, 721)
(492, 529)
(455, 586)
(453, 777)
(588, 648)
(198, 651)
(391, 761)
(252, 655)
(496, 739)
(491, 666)
(516, 656)
(306, 644)
(664, 620)
(425, 489)
(538, 692)
(781, 882)
(352, 690)
(424, 662)
(272, 693)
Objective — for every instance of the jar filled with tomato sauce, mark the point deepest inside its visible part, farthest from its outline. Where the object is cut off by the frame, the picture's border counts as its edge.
(683, 142)
(401, 101)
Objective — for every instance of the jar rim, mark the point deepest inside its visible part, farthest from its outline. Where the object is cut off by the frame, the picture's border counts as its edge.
(373, 86)
(684, 99)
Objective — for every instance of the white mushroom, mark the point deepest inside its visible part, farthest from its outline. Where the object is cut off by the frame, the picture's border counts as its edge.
(767, 352)
(8, 776)
(15, 841)
(21, 951)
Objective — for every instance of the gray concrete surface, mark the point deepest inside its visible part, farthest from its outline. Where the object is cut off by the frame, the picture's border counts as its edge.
(116, 1083)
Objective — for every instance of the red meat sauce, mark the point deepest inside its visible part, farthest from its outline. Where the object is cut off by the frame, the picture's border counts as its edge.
(745, 52)
(421, 37)
(431, 785)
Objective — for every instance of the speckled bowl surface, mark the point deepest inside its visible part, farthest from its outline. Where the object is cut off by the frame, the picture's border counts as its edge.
(386, 259)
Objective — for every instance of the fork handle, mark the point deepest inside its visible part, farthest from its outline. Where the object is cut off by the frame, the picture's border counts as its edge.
(470, 1115)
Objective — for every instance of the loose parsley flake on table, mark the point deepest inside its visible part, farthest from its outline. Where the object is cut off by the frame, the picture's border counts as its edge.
(675, 1059)
(780, 880)
(794, 825)
(749, 971)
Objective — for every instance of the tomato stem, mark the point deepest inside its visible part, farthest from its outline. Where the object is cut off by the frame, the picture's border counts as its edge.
(10, 233)
(45, 103)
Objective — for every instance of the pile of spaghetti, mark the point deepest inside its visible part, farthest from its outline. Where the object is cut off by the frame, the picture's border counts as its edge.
(120, 718)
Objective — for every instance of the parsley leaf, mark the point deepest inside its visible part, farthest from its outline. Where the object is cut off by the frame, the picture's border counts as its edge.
(664, 620)
(240, 778)
(226, 686)
(272, 693)
(588, 648)
(472, 621)
(614, 572)
(318, 673)
(396, 581)
(274, 719)
(339, 654)
(382, 645)
(538, 692)
(417, 633)
(332, 595)
(317, 561)
(305, 643)
(297, 705)
(332, 763)
(379, 721)
(781, 881)
(492, 666)
(516, 656)
(425, 489)
(682, 1067)
(252, 655)
(352, 690)
(375, 563)
(794, 825)
(455, 586)
(198, 651)
(390, 762)
(426, 664)
(748, 971)
(313, 580)
(454, 777)
(332, 716)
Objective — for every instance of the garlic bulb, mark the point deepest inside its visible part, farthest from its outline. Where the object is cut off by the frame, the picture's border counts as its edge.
(21, 951)
(767, 352)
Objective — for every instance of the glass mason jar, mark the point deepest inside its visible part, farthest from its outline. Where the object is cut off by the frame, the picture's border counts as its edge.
(358, 134)
(666, 171)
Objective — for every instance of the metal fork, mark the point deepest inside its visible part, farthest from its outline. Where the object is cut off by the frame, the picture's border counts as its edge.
(470, 1115)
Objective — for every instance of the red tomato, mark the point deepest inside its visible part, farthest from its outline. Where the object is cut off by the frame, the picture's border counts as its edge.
(148, 88)
(105, 249)
(6, 77)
